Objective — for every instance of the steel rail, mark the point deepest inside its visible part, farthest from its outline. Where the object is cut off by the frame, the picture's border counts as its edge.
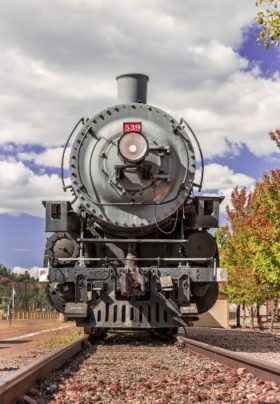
(264, 370)
(14, 385)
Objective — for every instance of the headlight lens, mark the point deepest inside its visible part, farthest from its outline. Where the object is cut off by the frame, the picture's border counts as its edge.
(133, 147)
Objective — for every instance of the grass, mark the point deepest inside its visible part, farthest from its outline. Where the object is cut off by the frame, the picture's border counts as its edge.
(181, 343)
(66, 339)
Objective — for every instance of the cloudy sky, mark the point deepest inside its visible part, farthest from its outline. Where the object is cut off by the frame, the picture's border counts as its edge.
(58, 62)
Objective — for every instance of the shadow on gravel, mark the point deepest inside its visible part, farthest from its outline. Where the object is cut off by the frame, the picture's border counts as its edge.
(236, 340)
(15, 341)
(135, 338)
(8, 368)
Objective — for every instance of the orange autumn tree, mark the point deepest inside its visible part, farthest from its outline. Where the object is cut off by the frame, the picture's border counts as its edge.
(275, 136)
(245, 286)
(250, 244)
(264, 237)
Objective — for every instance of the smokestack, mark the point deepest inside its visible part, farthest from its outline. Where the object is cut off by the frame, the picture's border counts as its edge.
(132, 88)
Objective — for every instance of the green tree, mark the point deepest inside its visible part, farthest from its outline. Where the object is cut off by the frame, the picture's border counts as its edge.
(264, 221)
(29, 295)
(4, 271)
(245, 287)
(269, 22)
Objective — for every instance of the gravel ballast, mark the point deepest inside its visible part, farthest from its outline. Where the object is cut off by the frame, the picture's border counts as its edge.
(16, 353)
(257, 344)
(134, 369)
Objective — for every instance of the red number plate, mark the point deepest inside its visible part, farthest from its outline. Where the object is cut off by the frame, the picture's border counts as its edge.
(132, 127)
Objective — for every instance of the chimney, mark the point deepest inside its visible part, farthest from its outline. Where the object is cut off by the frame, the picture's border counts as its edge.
(132, 88)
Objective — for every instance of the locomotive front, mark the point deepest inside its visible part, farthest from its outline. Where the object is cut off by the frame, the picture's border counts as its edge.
(131, 250)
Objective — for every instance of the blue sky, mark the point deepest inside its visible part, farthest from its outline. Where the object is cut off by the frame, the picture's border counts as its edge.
(62, 65)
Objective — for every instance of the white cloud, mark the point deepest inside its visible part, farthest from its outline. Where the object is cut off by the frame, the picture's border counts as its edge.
(49, 158)
(61, 66)
(240, 110)
(22, 191)
(220, 179)
(19, 270)
(34, 271)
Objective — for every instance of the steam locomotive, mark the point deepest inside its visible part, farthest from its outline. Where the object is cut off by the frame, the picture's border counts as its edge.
(132, 250)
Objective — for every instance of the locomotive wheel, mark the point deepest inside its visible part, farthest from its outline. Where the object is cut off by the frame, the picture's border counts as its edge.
(95, 334)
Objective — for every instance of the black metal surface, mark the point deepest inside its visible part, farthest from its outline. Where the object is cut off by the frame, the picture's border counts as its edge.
(158, 259)
(133, 240)
(60, 217)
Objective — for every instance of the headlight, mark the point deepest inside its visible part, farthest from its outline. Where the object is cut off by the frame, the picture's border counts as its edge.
(133, 147)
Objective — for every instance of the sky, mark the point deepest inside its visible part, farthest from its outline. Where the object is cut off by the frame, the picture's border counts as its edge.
(58, 63)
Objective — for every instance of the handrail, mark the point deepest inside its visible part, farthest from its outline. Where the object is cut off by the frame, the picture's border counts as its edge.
(183, 121)
(82, 120)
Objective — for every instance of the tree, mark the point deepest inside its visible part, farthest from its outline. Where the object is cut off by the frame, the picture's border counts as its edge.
(29, 293)
(245, 286)
(269, 22)
(250, 245)
(4, 271)
(275, 136)
(264, 221)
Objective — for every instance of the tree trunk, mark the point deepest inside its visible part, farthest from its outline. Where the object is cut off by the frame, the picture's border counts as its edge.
(273, 314)
(244, 316)
(251, 311)
(259, 320)
(238, 316)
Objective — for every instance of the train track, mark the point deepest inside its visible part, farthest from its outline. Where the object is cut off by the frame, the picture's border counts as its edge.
(259, 368)
(15, 385)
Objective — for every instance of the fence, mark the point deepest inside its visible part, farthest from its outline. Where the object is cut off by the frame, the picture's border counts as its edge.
(29, 315)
